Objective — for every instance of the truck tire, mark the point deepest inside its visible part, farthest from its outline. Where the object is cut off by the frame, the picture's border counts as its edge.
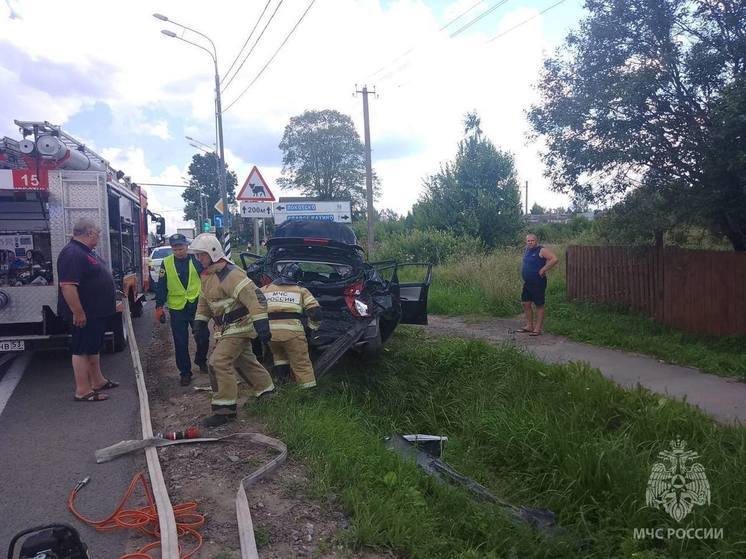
(136, 309)
(119, 340)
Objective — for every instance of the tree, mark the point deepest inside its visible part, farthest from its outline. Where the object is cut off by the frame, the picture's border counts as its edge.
(536, 209)
(477, 194)
(324, 157)
(203, 179)
(649, 95)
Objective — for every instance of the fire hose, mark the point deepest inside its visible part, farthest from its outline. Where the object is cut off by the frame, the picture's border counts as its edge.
(160, 514)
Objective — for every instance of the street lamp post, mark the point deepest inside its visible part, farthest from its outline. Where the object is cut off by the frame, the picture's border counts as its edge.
(218, 119)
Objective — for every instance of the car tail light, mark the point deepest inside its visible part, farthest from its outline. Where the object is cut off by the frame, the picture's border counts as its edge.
(355, 304)
(314, 241)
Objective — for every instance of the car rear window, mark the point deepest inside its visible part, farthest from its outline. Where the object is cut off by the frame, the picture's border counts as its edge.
(161, 252)
(318, 271)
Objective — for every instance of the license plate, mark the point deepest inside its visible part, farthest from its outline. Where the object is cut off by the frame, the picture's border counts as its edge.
(15, 345)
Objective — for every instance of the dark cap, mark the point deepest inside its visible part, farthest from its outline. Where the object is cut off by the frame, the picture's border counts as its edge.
(178, 239)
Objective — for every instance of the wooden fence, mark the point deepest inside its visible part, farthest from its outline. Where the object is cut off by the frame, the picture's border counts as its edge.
(700, 291)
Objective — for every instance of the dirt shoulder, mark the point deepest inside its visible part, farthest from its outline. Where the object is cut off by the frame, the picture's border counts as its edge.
(287, 522)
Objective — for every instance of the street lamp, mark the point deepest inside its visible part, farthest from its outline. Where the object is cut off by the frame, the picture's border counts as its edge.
(218, 117)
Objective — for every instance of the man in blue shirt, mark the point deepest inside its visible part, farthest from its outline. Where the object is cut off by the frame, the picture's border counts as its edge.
(178, 289)
(537, 261)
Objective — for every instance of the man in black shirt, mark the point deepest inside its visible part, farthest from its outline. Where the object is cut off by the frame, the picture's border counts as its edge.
(87, 301)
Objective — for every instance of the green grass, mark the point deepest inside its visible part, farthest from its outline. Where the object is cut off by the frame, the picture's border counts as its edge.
(491, 286)
(558, 437)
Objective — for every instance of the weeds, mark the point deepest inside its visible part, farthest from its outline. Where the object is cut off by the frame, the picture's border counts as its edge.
(559, 437)
(491, 286)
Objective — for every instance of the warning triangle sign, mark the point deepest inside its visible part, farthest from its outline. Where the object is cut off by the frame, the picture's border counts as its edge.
(255, 189)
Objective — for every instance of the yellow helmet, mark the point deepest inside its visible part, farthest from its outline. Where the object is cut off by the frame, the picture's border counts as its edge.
(205, 242)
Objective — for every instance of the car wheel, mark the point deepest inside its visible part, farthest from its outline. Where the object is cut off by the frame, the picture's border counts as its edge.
(374, 345)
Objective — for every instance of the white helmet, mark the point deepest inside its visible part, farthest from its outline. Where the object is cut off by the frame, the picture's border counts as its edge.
(205, 242)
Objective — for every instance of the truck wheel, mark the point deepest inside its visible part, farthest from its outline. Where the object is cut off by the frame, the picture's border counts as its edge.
(136, 309)
(119, 339)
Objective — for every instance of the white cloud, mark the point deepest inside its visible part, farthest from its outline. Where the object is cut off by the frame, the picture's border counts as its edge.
(422, 96)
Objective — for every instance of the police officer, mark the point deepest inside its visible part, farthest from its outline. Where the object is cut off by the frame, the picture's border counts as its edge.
(239, 311)
(287, 303)
(178, 289)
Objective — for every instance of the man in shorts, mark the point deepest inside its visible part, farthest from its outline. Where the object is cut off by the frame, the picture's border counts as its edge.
(86, 301)
(537, 261)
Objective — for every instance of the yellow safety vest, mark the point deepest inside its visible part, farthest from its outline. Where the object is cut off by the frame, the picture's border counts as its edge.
(178, 297)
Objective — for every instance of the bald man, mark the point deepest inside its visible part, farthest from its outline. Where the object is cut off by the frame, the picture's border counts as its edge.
(537, 261)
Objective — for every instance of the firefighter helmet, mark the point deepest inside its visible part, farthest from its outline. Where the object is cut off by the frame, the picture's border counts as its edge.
(291, 272)
(205, 242)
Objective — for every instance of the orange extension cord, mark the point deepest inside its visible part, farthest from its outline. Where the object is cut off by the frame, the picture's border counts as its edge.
(145, 519)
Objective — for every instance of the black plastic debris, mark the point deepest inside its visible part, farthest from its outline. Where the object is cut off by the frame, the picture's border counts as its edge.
(540, 519)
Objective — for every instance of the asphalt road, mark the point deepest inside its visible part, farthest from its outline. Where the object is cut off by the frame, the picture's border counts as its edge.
(47, 441)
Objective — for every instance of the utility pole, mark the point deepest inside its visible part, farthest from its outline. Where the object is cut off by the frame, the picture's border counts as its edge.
(526, 197)
(368, 169)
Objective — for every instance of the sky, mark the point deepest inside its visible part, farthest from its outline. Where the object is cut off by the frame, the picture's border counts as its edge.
(103, 71)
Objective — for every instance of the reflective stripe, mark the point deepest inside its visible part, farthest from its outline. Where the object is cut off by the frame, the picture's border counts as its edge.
(223, 402)
(201, 317)
(285, 307)
(308, 384)
(310, 300)
(241, 284)
(268, 389)
(284, 326)
(260, 316)
(279, 362)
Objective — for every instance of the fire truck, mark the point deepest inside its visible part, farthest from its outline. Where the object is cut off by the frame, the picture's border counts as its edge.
(49, 180)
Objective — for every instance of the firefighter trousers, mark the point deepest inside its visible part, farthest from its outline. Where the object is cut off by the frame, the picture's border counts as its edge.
(233, 354)
(294, 352)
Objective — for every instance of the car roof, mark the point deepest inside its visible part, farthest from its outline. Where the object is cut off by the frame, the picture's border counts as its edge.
(331, 230)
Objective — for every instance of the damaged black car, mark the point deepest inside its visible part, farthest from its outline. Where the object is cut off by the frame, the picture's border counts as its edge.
(362, 302)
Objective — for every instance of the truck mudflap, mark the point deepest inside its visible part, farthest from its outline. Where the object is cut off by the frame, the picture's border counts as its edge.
(338, 348)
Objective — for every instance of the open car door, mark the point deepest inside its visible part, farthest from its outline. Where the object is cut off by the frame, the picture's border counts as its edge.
(413, 295)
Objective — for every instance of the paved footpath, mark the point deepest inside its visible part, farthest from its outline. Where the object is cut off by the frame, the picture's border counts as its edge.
(722, 398)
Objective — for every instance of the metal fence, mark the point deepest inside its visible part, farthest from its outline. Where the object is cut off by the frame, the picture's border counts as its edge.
(700, 291)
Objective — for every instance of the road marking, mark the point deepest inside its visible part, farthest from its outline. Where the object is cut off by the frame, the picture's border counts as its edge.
(12, 377)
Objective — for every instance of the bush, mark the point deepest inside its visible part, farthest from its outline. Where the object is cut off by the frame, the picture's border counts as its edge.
(427, 245)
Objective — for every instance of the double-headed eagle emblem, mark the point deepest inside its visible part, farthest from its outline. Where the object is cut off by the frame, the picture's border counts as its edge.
(677, 483)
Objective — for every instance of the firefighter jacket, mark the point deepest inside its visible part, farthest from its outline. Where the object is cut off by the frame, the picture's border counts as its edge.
(231, 299)
(287, 303)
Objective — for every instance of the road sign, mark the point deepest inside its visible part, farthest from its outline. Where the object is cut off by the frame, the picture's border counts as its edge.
(218, 220)
(255, 189)
(338, 211)
(256, 209)
(219, 206)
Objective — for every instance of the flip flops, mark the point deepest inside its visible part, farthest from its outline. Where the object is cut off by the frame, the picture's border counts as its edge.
(108, 385)
(91, 397)
(524, 330)
(534, 334)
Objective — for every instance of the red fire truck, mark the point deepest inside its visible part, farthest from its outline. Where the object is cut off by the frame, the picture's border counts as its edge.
(48, 180)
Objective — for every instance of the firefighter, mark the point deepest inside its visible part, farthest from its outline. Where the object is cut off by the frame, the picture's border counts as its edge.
(287, 303)
(239, 310)
(178, 290)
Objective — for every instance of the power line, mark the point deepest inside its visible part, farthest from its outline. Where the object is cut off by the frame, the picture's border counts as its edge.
(297, 23)
(247, 40)
(161, 184)
(452, 35)
(478, 18)
(443, 28)
(525, 21)
(259, 38)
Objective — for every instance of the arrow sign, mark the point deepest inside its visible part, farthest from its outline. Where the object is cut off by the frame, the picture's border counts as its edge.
(255, 188)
